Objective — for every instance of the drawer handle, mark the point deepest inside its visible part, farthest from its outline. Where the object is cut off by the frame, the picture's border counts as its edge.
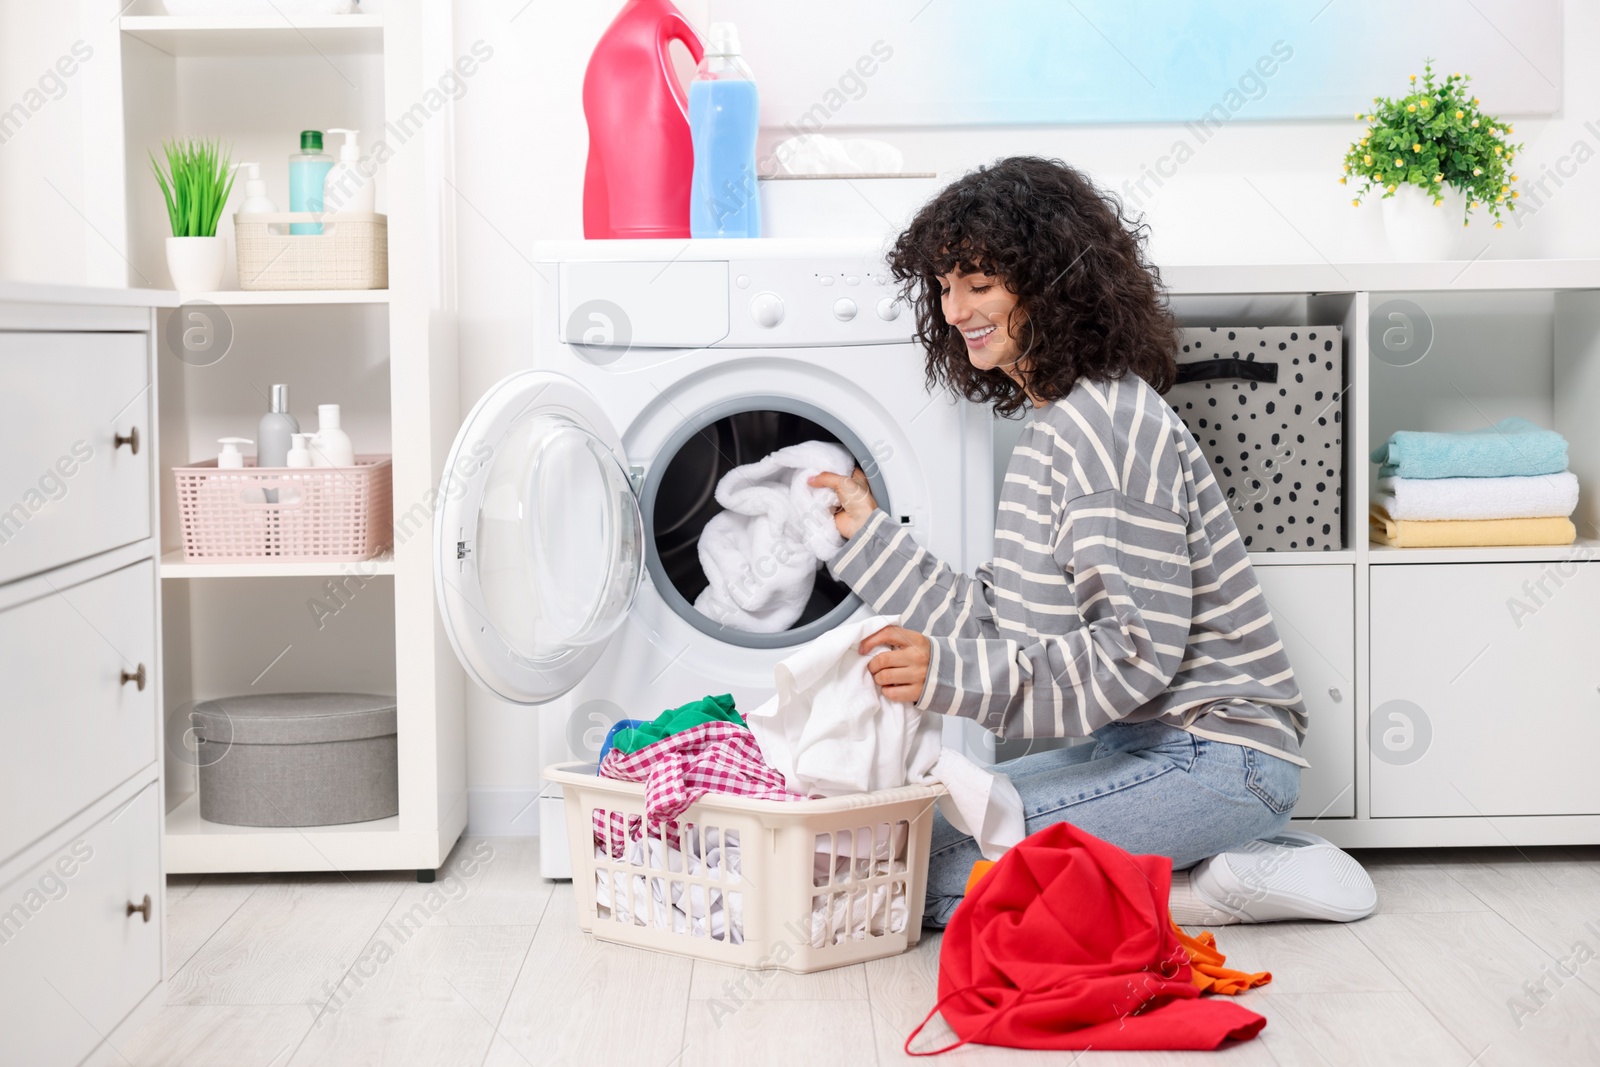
(1332, 691)
(137, 677)
(131, 440)
(140, 909)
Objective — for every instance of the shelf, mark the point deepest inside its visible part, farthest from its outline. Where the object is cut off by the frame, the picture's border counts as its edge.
(194, 846)
(241, 297)
(173, 566)
(322, 35)
(1297, 558)
(1585, 548)
(1443, 276)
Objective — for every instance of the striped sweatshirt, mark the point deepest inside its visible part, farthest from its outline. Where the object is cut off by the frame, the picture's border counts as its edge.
(1120, 590)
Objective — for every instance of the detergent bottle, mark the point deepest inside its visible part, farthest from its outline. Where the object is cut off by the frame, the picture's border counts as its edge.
(723, 106)
(641, 158)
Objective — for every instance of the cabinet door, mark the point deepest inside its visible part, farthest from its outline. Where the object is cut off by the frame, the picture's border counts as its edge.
(1314, 610)
(73, 962)
(1484, 689)
(72, 727)
(67, 488)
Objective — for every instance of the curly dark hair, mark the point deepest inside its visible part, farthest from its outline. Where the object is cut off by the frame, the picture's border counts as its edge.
(1089, 304)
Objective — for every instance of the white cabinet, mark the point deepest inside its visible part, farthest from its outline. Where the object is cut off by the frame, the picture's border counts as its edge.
(81, 879)
(1485, 689)
(77, 957)
(76, 443)
(1313, 608)
(79, 710)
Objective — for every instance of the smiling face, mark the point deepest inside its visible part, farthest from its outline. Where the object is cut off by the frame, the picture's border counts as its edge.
(980, 308)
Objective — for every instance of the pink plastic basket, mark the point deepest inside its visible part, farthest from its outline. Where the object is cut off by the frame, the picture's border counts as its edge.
(290, 514)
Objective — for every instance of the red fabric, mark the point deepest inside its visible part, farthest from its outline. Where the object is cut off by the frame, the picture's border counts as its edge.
(1066, 944)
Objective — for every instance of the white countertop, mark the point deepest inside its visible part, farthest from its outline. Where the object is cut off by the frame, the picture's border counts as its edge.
(86, 295)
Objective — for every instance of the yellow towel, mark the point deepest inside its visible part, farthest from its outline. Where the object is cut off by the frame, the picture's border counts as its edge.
(1446, 533)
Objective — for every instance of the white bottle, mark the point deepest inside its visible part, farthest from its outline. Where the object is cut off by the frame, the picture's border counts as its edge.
(255, 192)
(332, 446)
(300, 451)
(230, 457)
(346, 188)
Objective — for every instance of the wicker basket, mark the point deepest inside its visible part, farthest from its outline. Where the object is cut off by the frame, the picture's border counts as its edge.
(286, 514)
(351, 252)
(800, 885)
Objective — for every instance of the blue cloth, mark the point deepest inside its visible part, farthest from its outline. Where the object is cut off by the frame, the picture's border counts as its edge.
(1148, 788)
(1513, 447)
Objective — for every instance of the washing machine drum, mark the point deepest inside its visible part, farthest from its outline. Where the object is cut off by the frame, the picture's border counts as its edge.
(678, 499)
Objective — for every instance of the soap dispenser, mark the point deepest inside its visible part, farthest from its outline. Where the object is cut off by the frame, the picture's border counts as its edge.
(230, 457)
(346, 188)
(332, 446)
(308, 169)
(256, 201)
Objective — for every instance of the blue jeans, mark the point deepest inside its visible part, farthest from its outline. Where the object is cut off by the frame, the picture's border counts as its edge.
(1148, 788)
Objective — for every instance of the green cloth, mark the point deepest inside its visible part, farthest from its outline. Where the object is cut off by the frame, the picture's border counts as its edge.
(706, 709)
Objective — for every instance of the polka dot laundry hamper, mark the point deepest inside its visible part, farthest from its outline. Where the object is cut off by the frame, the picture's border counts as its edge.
(801, 886)
(1266, 404)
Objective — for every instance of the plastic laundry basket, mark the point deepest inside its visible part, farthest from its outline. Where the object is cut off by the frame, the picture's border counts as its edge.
(799, 885)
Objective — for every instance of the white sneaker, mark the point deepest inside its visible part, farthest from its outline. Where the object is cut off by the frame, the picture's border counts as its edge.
(1291, 875)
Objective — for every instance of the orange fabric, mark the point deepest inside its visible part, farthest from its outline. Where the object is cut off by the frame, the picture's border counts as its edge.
(979, 869)
(1206, 970)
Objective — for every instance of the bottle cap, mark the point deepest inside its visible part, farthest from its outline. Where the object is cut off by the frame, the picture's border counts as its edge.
(350, 151)
(230, 456)
(280, 399)
(310, 140)
(328, 416)
(723, 40)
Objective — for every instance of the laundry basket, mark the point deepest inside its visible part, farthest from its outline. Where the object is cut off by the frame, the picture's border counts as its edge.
(797, 885)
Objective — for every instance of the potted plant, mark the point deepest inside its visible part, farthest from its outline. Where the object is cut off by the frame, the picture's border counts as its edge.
(1436, 157)
(195, 184)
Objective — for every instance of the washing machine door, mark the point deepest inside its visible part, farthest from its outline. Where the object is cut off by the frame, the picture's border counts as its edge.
(538, 541)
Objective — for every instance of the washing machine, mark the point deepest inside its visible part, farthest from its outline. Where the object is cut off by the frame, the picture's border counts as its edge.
(571, 504)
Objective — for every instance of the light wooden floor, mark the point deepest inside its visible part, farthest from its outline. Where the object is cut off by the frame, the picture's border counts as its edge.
(274, 971)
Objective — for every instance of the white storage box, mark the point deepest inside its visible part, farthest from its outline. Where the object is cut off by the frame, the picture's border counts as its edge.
(351, 252)
(799, 885)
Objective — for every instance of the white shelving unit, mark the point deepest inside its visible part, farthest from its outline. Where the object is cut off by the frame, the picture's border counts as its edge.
(1452, 691)
(386, 356)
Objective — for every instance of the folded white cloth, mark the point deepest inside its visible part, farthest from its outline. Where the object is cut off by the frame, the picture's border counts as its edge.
(830, 732)
(760, 555)
(1533, 496)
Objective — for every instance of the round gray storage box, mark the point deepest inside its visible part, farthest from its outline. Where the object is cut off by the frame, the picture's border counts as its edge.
(297, 759)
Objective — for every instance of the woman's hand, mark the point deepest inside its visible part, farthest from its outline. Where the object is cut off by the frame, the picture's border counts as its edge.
(855, 505)
(901, 672)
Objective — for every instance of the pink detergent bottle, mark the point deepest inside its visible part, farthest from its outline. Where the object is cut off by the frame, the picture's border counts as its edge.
(641, 158)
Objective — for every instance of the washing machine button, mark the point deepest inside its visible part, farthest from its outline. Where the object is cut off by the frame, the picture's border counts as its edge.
(767, 309)
(825, 279)
(742, 281)
(851, 279)
(844, 309)
(888, 309)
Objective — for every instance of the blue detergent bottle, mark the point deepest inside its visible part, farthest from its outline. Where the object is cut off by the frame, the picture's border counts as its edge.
(307, 170)
(723, 116)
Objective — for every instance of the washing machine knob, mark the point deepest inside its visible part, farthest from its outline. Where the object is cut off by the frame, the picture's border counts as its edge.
(767, 309)
(888, 309)
(844, 309)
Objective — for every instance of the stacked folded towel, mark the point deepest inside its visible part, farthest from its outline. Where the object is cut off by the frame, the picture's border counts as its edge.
(1507, 485)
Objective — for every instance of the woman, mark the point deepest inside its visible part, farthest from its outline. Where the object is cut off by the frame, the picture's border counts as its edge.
(1121, 606)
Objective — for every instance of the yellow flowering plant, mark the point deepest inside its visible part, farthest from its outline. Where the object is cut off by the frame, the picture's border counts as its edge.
(1434, 136)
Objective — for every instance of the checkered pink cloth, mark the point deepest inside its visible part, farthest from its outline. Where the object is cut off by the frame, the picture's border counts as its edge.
(713, 757)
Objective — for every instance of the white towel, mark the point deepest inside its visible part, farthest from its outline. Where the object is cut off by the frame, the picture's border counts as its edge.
(761, 554)
(1533, 497)
(830, 732)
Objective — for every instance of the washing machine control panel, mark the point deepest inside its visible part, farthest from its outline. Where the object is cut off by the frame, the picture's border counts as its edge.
(775, 303)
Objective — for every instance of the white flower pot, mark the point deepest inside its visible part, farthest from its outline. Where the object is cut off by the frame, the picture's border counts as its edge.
(196, 263)
(1418, 230)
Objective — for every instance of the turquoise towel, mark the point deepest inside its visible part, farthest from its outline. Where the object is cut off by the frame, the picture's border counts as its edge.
(1512, 448)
